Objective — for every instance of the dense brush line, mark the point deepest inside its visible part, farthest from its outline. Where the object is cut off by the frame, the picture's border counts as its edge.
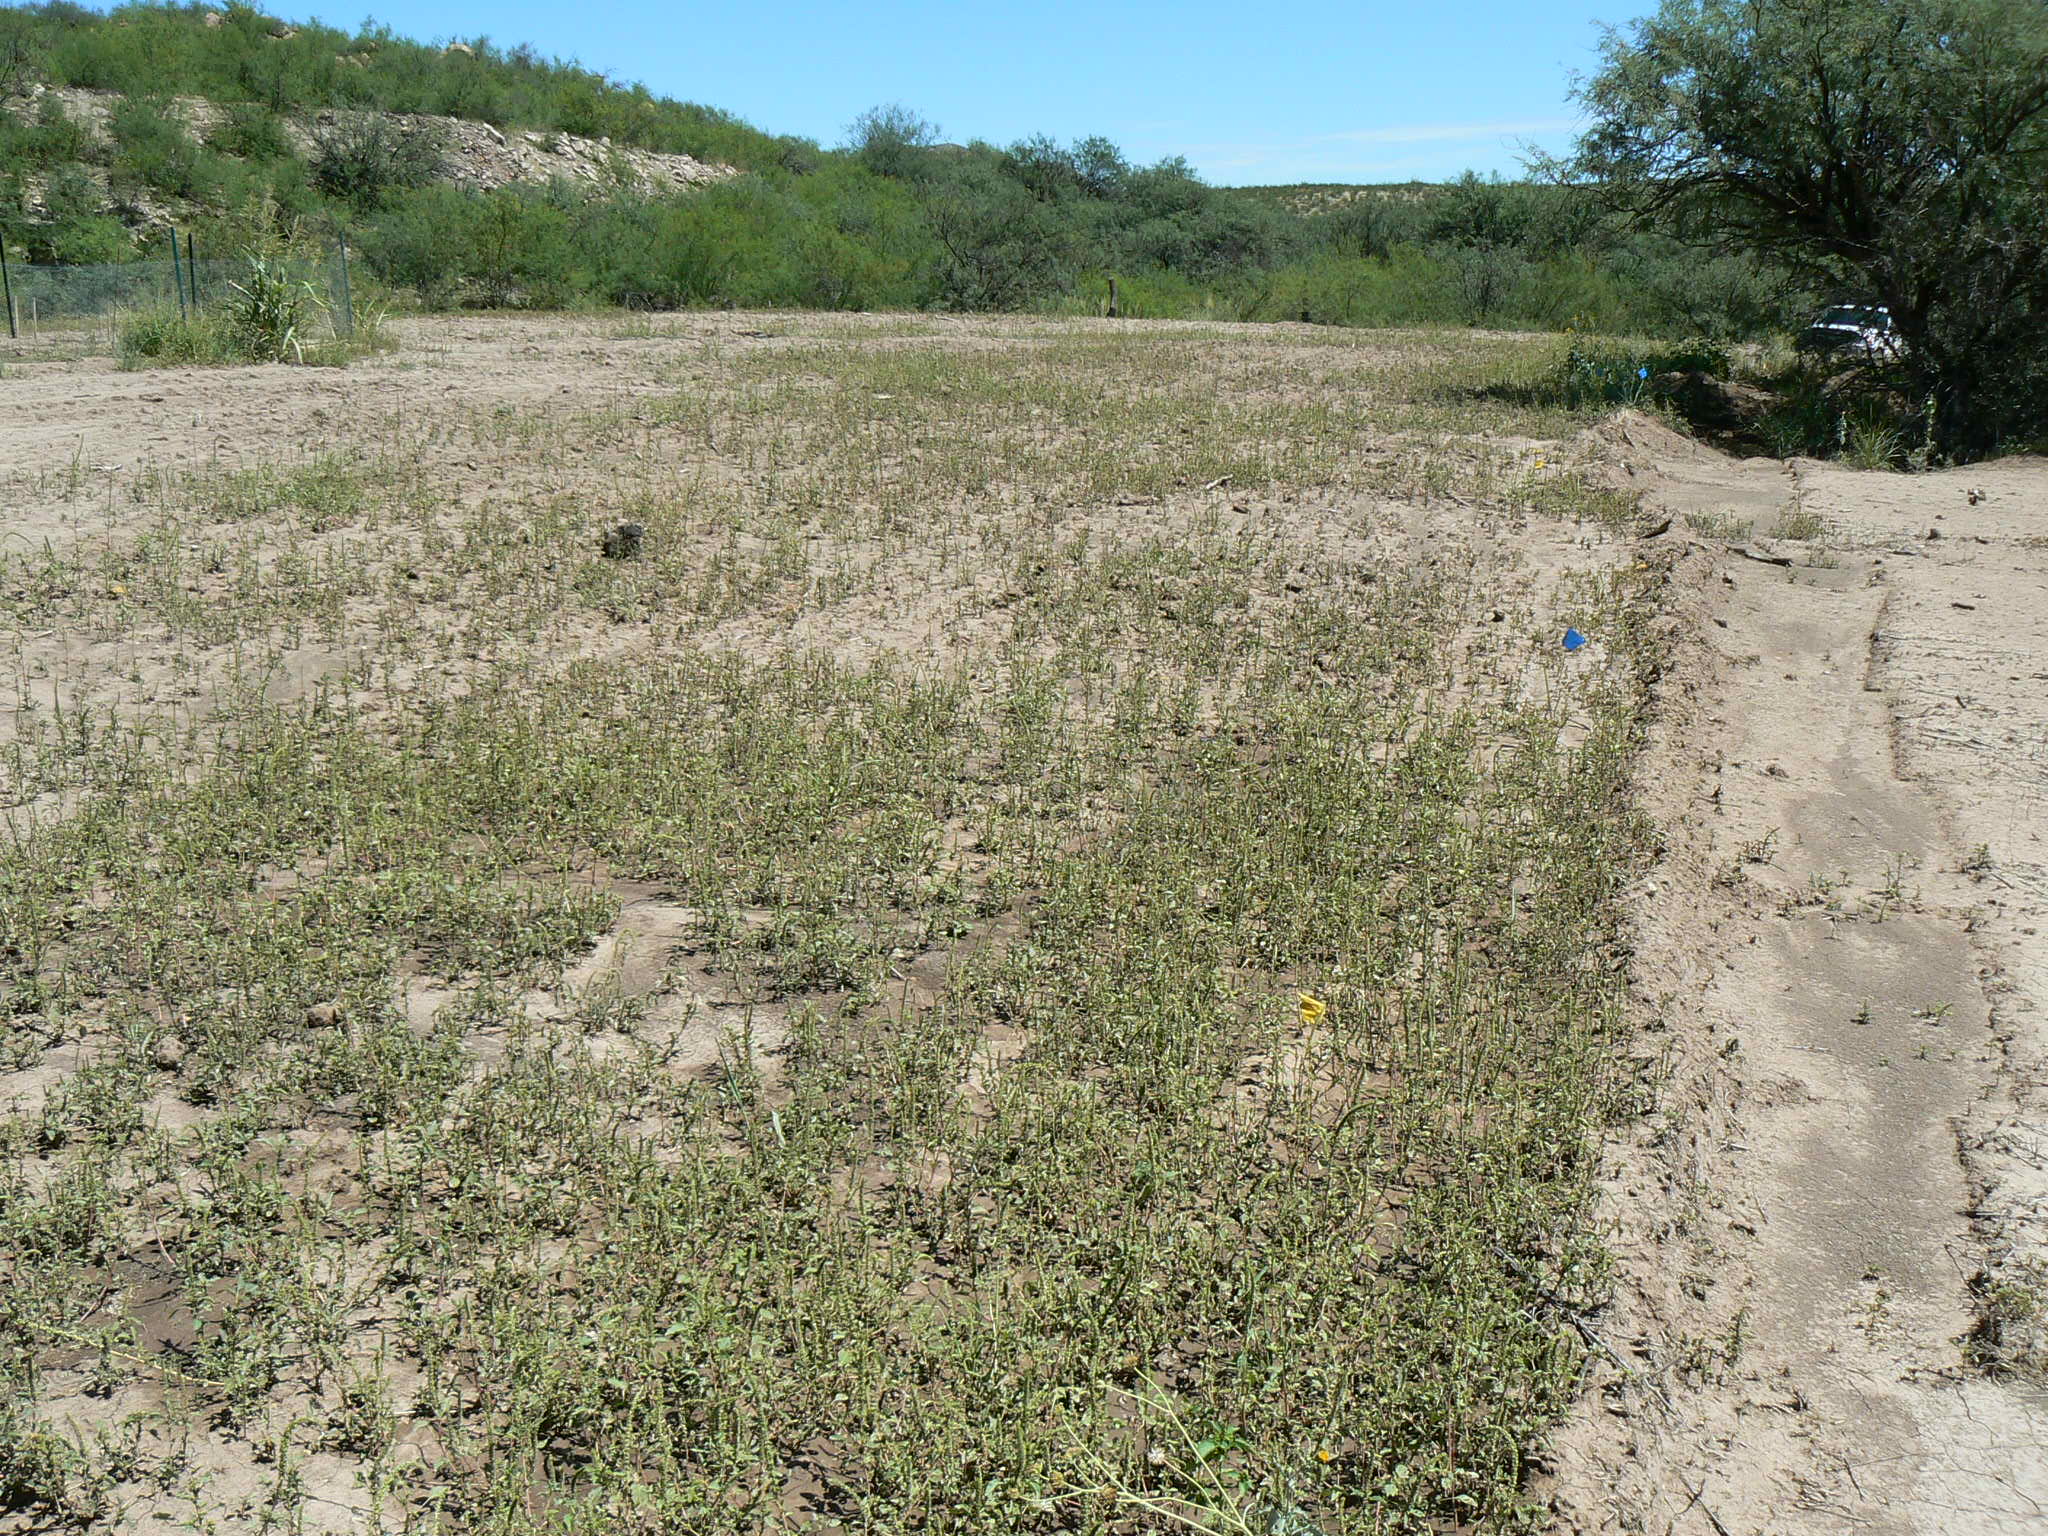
(893, 220)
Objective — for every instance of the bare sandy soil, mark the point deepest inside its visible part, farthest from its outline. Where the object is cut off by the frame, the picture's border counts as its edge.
(472, 415)
(1831, 1232)
(1832, 1219)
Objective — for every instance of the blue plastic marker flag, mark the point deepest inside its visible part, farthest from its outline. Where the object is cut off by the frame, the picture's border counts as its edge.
(1573, 640)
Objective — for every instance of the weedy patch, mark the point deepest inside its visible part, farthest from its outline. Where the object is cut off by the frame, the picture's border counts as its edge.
(671, 1043)
(272, 314)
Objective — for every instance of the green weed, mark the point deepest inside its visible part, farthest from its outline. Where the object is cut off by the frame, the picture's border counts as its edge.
(687, 1063)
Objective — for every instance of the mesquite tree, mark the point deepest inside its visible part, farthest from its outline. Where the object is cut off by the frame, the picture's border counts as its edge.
(1892, 150)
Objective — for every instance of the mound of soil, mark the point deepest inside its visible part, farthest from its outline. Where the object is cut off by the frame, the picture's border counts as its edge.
(1716, 406)
(1640, 434)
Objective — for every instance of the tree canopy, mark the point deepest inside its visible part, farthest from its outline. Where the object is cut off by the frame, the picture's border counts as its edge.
(1889, 150)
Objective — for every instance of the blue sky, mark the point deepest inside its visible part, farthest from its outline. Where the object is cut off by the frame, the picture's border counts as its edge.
(1310, 91)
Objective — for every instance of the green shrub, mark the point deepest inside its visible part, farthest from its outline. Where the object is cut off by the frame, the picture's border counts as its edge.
(510, 248)
(799, 157)
(88, 240)
(293, 195)
(1410, 287)
(892, 141)
(1578, 291)
(1482, 213)
(735, 242)
(1696, 354)
(522, 252)
(21, 54)
(368, 160)
(1489, 281)
(251, 131)
(1595, 378)
(152, 145)
(167, 339)
(1367, 226)
(54, 138)
(417, 241)
(840, 238)
(69, 193)
(1000, 248)
(1673, 288)
(268, 310)
(1822, 413)
(156, 150)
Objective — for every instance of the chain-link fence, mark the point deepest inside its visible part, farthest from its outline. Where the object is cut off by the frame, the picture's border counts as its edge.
(90, 300)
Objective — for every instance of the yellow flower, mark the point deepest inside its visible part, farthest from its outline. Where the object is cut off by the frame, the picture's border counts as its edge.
(1312, 1008)
(1325, 1456)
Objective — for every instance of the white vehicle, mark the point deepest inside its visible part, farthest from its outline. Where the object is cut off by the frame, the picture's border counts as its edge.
(1862, 328)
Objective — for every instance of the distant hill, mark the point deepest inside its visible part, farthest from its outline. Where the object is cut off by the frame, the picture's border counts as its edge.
(1313, 197)
(234, 54)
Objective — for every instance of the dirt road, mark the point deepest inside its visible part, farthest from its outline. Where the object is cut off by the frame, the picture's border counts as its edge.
(1834, 1224)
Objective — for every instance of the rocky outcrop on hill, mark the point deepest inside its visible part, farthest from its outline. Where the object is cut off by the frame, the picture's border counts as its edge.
(478, 155)
(473, 154)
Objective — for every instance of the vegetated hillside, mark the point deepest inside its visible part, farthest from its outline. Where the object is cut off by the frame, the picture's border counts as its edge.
(234, 53)
(465, 153)
(114, 127)
(469, 175)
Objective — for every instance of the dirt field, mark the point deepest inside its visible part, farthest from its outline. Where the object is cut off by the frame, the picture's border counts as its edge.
(1060, 945)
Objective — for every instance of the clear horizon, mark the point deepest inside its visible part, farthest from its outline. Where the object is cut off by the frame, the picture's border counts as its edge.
(1328, 93)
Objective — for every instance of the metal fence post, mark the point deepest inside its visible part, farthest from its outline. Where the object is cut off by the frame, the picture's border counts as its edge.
(348, 304)
(177, 276)
(7, 280)
(192, 273)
